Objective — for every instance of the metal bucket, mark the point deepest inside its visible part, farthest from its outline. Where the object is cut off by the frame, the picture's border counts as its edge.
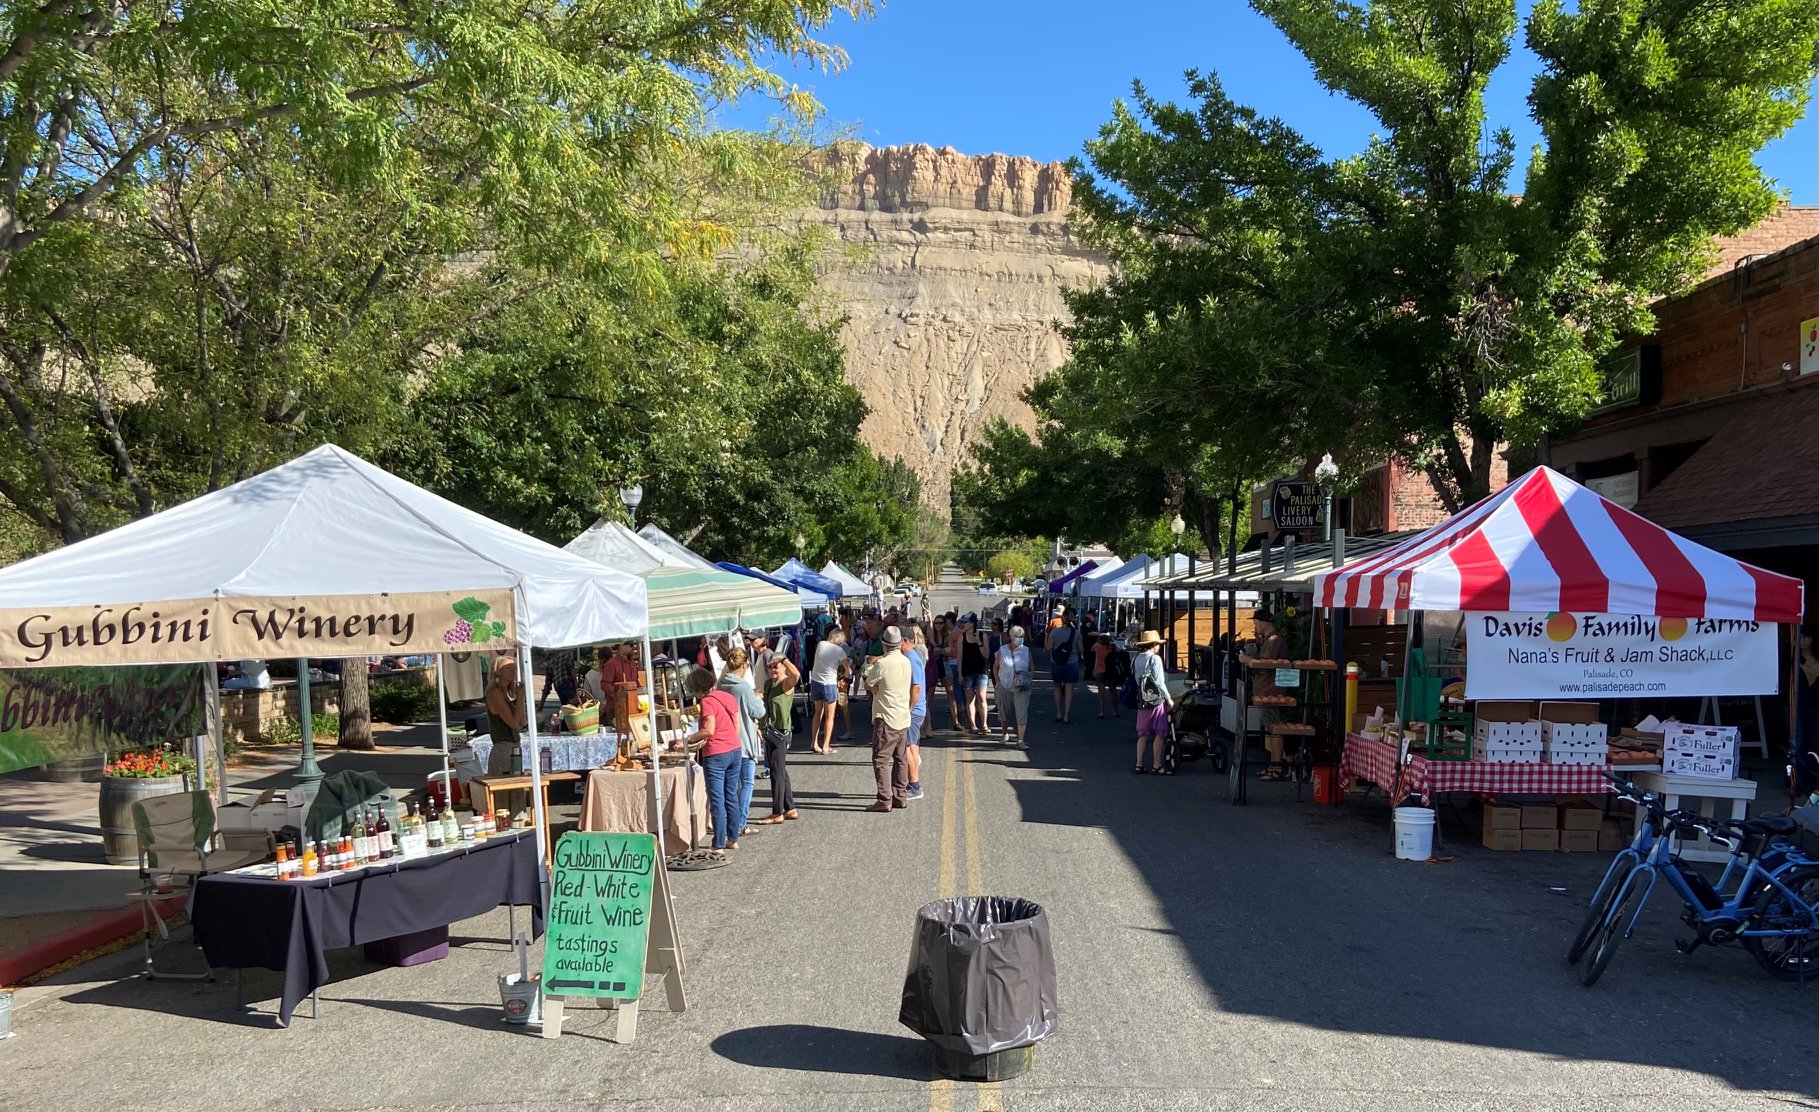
(522, 999)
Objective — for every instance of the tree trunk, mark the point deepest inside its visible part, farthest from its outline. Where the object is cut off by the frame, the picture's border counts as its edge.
(356, 706)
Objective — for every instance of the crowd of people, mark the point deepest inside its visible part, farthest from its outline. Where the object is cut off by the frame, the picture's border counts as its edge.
(893, 663)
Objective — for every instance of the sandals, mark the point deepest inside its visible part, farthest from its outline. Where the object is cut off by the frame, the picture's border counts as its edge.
(1138, 771)
(773, 820)
(1273, 774)
(790, 816)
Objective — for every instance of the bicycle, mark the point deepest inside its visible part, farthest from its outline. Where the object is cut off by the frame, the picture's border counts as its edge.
(1772, 910)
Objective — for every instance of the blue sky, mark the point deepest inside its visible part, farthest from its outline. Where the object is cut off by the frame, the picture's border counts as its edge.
(1037, 79)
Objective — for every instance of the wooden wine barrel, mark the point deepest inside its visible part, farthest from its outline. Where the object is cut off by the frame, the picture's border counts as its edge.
(77, 770)
(119, 840)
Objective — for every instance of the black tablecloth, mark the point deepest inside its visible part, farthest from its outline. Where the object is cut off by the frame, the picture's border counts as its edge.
(245, 922)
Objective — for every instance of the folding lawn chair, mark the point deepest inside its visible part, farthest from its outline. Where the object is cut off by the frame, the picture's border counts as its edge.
(178, 844)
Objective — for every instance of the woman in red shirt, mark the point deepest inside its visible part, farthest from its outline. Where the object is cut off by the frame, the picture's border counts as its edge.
(719, 756)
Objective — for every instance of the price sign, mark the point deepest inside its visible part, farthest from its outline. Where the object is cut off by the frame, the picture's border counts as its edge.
(600, 915)
(1288, 677)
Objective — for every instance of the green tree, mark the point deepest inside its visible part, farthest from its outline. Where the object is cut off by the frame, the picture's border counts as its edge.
(1271, 303)
(1014, 563)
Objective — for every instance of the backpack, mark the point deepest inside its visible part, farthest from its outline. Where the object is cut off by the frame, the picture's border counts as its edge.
(1150, 693)
(1061, 653)
(1127, 695)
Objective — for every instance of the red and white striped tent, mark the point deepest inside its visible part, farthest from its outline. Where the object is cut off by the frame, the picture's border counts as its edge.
(1543, 544)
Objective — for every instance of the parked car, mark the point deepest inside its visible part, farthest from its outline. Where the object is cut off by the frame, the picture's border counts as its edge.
(988, 587)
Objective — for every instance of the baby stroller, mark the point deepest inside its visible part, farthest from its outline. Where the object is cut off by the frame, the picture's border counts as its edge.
(1194, 730)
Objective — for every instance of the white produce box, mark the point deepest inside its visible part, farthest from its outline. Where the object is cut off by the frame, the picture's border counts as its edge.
(1507, 754)
(1578, 755)
(1575, 735)
(1694, 750)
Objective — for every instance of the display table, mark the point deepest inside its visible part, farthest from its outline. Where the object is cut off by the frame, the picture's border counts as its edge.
(482, 789)
(256, 922)
(621, 801)
(1707, 792)
(1375, 761)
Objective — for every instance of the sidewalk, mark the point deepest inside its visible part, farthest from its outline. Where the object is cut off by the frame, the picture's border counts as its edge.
(53, 875)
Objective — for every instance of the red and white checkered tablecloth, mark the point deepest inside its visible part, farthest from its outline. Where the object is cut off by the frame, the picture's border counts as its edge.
(1375, 761)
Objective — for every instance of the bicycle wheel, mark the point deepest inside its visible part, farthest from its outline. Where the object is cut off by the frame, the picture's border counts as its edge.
(1610, 932)
(1793, 956)
(1601, 906)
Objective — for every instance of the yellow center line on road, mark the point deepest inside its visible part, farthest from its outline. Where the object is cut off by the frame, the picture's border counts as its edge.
(941, 1090)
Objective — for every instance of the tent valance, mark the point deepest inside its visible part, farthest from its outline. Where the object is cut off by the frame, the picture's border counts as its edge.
(1544, 544)
(814, 589)
(326, 555)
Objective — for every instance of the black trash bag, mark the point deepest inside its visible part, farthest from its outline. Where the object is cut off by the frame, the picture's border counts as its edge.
(981, 975)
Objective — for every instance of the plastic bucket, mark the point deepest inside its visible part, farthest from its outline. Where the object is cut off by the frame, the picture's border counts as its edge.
(1326, 784)
(523, 999)
(1414, 833)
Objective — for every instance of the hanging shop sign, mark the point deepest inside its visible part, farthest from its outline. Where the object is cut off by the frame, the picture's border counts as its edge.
(1602, 656)
(210, 629)
(1295, 507)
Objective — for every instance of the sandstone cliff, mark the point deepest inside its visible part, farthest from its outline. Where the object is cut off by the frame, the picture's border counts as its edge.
(954, 301)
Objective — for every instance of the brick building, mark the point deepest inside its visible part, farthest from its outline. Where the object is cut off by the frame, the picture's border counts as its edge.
(1711, 425)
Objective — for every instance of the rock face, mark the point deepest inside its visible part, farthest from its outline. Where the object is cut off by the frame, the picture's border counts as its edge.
(954, 298)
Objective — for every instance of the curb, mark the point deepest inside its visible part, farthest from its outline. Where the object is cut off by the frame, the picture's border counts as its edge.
(111, 926)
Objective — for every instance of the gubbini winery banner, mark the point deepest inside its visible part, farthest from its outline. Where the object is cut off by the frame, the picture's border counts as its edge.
(1601, 656)
(199, 630)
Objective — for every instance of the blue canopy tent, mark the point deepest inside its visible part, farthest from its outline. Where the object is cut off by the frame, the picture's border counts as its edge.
(815, 589)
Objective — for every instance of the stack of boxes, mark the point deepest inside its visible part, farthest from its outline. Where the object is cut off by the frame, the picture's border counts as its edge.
(1571, 734)
(1705, 751)
(1577, 825)
(1506, 731)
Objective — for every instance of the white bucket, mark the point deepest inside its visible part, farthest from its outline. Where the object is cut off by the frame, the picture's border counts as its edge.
(523, 998)
(6, 1014)
(1414, 833)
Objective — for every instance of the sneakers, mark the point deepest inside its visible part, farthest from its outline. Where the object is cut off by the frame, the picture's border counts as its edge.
(914, 792)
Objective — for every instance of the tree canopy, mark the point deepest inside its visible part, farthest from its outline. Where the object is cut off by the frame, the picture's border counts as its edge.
(1270, 302)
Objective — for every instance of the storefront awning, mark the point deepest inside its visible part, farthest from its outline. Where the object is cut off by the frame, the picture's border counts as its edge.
(1545, 544)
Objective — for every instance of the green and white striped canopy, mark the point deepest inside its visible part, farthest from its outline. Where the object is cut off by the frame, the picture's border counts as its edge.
(689, 602)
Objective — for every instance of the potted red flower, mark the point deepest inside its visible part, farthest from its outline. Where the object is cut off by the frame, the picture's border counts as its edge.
(128, 778)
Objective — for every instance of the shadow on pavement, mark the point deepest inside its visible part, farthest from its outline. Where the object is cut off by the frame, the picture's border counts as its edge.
(1300, 912)
(796, 1046)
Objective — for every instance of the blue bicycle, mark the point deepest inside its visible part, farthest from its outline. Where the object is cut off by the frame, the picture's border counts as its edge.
(1767, 897)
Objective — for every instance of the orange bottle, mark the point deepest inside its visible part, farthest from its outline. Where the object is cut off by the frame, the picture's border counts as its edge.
(309, 859)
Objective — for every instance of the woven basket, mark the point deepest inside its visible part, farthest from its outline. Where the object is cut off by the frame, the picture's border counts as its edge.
(581, 720)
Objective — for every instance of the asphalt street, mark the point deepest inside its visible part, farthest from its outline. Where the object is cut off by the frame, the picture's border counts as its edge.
(1273, 956)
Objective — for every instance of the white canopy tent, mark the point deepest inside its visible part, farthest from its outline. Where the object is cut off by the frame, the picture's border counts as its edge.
(618, 547)
(851, 586)
(325, 556)
(1120, 582)
(675, 553)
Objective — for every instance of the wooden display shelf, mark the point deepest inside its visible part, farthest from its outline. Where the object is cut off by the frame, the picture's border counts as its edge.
(1289, 665)
(1274, 701)
(1292, 729)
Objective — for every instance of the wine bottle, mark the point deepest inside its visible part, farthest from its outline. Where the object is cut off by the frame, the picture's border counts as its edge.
(433, 825)
(384, 831)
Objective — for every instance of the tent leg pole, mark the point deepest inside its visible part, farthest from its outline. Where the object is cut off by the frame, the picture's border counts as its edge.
(650, 695)
(442, 720)
(533, 759)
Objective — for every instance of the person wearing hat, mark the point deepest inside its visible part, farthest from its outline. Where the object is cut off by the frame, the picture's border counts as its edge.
(1270, 646)
(895, 690)
(1152, 716)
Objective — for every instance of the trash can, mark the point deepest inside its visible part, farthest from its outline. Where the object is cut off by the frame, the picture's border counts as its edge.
(981, 985)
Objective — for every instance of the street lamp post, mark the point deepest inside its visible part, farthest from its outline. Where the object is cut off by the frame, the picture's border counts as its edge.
(631, 497)
(801, 543)
(1326, 474)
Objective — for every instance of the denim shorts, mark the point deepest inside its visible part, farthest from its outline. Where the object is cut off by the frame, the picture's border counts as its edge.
(824, 692)
(976, 683)
(915, 730)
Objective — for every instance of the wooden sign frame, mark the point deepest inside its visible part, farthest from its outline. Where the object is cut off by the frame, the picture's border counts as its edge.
(662, 956)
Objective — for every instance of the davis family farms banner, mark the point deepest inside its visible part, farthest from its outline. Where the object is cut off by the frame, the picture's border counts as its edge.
(60, 714)
(197, 630)
(1562, 655)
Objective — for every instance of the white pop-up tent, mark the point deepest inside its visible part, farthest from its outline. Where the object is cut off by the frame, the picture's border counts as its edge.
(851, 586)
(675, 553)
(324, 556)
(616, 546)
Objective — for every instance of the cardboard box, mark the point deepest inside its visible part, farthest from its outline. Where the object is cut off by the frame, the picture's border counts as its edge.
(1708, 768)
(1540, 816)
(1506, 841)
(1578, 816)
(1541, 839)
(1507, 754)
(272, 810)
(1556, 735)
(1502, 816)
(1611, 836)
(1579, 841)
(1598, 756)
(1578, 713)
(1505, 722)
